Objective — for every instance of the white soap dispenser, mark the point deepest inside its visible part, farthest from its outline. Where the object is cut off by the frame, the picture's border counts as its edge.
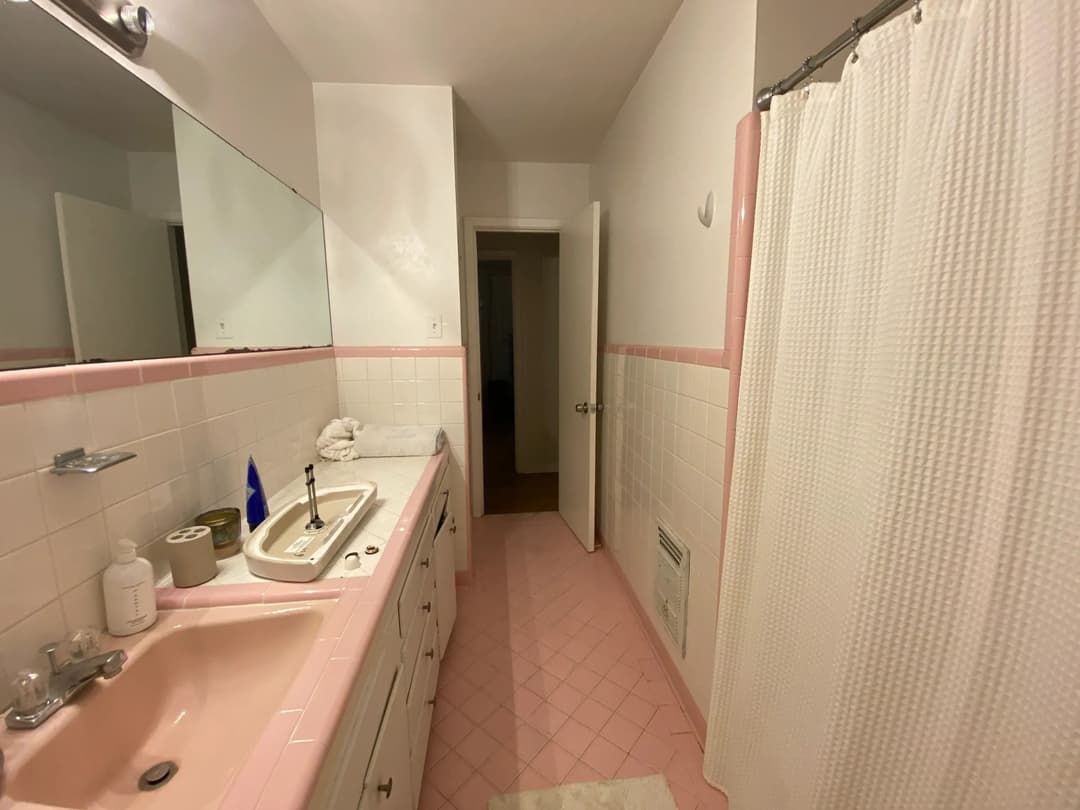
(130, 601)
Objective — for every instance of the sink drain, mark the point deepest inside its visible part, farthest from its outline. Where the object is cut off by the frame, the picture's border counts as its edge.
(157, 776)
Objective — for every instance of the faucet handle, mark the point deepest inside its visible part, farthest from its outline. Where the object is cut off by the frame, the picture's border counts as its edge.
(85, 643)
(31, 690)
(51, 651)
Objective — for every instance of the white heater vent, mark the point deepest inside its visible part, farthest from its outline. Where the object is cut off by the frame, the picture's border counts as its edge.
(672, 583)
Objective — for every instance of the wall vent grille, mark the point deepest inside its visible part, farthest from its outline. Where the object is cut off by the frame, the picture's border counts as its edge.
(672, 583)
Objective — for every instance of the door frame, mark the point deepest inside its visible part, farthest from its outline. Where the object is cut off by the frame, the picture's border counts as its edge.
(474, 225)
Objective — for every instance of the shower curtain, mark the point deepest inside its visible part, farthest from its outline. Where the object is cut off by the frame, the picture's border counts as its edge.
(899, 619)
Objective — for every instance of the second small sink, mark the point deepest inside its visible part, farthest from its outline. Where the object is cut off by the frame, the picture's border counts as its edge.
(282, 548)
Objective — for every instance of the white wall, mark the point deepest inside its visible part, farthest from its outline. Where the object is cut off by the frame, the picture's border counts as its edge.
(531, 190)
(40, 155)
(664, 276)
(155, 185)
(255, 251)
(386, 161)
(790, 30)
(223, 63)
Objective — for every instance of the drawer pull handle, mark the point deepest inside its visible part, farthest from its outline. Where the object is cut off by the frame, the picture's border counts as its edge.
(431, 702)
(388, 788)
(453, 529)
(426, 607)
(425, 563)
(430, 653)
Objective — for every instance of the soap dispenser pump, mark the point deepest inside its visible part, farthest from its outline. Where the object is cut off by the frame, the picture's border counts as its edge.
(130, 601)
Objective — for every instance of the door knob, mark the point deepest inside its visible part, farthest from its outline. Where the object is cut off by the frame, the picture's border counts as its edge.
(581, 407)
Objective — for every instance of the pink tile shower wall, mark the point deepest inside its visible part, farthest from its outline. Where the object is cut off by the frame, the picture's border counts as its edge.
(192, 434)
(744, 201)
(403, 385)
(663, 435)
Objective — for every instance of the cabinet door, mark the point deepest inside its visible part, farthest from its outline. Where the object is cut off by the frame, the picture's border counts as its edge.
(445, 585)
(389, 780)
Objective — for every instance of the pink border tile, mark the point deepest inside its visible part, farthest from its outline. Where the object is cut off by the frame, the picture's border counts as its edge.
(714, 358)
(35, 383)
(22, 385)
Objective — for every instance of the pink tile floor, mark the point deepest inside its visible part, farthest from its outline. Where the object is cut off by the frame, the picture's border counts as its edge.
(550, 679)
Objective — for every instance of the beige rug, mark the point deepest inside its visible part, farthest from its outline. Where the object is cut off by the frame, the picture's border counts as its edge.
(644, 793)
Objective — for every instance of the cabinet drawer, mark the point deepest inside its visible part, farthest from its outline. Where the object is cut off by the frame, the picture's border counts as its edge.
(425, 679)
(414, 636)
(421, 565)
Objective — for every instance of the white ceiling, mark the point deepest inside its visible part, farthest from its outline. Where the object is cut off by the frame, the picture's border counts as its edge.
(535, 80)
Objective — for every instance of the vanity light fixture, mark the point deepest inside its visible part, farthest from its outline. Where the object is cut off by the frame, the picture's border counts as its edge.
(127, 26)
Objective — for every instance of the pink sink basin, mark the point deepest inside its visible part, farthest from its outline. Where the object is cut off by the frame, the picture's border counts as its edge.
(198, 689)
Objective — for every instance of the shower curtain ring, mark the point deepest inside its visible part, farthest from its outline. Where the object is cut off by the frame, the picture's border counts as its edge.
(918, 12)
(857, 31)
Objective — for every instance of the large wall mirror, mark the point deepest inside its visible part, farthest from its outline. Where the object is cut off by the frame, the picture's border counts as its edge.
(128, 230)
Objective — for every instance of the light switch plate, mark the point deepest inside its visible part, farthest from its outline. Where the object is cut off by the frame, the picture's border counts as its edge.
(435, 326)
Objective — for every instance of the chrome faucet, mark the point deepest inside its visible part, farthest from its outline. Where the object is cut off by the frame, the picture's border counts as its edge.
(316, 522)
(38, 699)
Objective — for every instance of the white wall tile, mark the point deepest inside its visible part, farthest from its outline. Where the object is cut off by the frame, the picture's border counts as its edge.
(428, 390)
(113, 418)
(16, 449)
(717, 424)
(130, 520)
(428, 413)
(79, 551)
(405, 414)
(190, 401)
(67, 498)
(378, 368)
(718, 386)
(403, 368)
(427, 368)
(84, 605)
(164, 457)
(450, 390)
(404, 391)
(453, 413)
(380, 392)
(125, 479)
(58, 424)
(156, 408)
(27, 582)
(20, 503)
(354, 368)
(450, 368)
(354, 390)
(195, 440)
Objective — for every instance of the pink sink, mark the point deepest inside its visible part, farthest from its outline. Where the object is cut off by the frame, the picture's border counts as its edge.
(198, 689)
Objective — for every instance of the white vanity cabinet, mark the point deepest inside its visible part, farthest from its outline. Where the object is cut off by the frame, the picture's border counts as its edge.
(377, 759)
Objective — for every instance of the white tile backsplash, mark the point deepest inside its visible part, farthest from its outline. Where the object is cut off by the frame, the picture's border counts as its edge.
(662, 456)
(411, 391)
(58, 529)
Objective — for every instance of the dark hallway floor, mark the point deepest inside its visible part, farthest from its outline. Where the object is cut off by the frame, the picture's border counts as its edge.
(505, 490)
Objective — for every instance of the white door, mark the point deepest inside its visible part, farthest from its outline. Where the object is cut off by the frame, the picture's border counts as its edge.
(121, 289)
(579, 290)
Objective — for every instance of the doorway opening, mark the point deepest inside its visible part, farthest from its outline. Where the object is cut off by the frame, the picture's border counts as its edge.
(518, 311)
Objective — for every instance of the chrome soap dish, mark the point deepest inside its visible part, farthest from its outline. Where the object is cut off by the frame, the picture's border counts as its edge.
(79, 461)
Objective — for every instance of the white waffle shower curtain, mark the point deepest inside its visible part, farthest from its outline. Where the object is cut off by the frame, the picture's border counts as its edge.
(899, 622)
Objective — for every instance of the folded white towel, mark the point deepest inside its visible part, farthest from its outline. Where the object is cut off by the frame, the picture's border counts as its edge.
(346, 439)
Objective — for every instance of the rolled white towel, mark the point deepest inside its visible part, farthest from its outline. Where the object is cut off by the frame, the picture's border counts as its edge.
(375, 441)
(335, 443)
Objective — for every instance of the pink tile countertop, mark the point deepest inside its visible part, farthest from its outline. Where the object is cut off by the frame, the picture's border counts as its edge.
(284, 766)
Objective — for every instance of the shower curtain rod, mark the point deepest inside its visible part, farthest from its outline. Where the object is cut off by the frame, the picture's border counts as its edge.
(859, 26)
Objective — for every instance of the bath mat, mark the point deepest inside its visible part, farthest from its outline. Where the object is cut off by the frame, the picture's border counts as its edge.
(643, 793)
